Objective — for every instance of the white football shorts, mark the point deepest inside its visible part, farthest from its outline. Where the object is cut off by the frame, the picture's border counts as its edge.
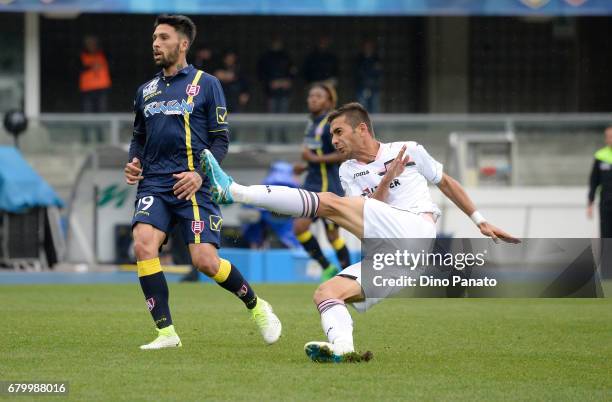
(382, 221)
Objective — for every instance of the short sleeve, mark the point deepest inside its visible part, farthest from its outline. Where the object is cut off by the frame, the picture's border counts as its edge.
(215, 107)
(347, 183)
(427, 166)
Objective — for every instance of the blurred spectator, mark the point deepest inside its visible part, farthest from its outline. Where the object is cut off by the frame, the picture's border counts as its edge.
(601, 176)
(94, 78)
(321, 65)
(368, 76)
(257, 232)
(94, 82)
(234, 85)
(203, 59)
(276, 72)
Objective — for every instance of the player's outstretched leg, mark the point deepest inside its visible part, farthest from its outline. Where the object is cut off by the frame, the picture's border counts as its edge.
(283, 200)
(347, 212)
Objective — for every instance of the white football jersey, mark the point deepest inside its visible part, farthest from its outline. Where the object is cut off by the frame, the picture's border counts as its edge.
(408, 191)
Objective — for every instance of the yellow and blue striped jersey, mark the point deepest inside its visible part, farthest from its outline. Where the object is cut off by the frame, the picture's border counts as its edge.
(321, 176)
(178, 117)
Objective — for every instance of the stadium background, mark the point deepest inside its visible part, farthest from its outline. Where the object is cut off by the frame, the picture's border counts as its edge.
(536, 69)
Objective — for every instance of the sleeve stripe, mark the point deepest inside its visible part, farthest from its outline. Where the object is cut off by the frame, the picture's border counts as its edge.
(217, 131)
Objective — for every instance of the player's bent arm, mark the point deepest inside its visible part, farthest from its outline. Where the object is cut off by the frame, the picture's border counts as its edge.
(455, 192)
(393, 170)
(382, 191)
(136, 146)
(218, 147)
(133, 169)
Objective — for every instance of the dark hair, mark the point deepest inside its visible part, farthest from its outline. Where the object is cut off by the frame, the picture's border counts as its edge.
(355, 115)
(329, 89)
(181, 23)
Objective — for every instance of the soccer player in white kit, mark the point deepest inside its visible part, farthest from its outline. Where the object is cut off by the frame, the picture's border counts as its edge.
(386, 197)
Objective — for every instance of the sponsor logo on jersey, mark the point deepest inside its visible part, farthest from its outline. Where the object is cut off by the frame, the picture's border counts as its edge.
(359, 174)
(369, 191)
(150, 303)
(605, 166)
(535, 3)
(192, 90)
(146, 98)
(150, 88)
(197, 227)
(171, 107)
(215, 222)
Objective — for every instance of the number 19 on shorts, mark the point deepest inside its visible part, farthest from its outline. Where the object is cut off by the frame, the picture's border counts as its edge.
(143, 204)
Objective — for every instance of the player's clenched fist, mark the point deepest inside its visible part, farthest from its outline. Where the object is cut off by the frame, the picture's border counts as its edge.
(187, 185)
(133, 172)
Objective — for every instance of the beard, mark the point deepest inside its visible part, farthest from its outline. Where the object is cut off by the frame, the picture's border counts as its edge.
(166, 61)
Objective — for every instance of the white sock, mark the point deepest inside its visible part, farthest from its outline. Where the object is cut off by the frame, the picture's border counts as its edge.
(337, 325)
(280, 199)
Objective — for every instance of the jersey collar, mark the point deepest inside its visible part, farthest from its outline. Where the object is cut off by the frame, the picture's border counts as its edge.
(183, 71)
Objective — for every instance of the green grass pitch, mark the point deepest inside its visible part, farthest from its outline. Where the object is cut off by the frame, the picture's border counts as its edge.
(424, 349)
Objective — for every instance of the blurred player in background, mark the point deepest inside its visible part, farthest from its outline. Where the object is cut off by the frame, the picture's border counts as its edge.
(257, 232)
(374, 172)
(179, 113)
(323, 164)
(601, 175)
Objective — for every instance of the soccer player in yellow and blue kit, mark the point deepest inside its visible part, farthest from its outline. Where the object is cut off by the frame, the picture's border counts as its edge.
(322, 175)
(178, 114)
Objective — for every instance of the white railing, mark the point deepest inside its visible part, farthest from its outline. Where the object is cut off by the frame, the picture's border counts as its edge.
(116, 127)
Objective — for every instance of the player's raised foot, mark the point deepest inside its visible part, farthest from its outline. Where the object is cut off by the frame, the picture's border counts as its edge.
(329, 273)
(220, 181)
(268, 323)
(167, 338)
(323, 352)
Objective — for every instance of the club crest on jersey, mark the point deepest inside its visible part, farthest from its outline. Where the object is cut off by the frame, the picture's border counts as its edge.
(197, 227)
(192, 90)
(151, 303)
